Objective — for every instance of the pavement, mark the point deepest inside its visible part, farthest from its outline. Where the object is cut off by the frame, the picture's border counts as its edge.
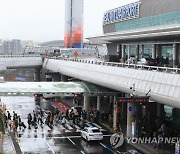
(142, 148)
(63, 138)
(6, 145)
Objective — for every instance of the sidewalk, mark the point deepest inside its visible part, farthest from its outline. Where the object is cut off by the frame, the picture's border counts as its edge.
(7, 146)
(144, 148)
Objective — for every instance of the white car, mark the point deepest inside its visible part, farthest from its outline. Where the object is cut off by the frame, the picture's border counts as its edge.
(91, 133)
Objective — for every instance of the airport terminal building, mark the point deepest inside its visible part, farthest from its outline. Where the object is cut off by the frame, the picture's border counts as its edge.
(144, 29)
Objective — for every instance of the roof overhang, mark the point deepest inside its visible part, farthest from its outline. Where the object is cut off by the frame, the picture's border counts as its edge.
(155, 34)
(53, 88)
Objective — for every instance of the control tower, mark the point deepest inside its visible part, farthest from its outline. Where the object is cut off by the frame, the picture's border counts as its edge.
(73, 37)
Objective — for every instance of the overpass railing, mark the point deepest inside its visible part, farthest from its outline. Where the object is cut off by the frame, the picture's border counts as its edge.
(116, 64)
(13, 56)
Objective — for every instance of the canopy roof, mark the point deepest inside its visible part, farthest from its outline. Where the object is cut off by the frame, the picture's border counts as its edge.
(58, 88)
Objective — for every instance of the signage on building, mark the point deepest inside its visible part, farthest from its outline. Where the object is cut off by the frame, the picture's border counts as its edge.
(122, 13)
(142, 99)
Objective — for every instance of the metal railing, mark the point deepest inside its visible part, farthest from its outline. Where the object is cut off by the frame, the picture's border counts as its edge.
(103, 63)
(116, 64)
(13, 56)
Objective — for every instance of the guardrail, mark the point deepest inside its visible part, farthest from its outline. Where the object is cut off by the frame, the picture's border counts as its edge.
(12, 56)
(115, 64)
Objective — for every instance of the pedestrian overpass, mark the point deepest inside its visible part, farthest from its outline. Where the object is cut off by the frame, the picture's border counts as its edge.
(161, 83)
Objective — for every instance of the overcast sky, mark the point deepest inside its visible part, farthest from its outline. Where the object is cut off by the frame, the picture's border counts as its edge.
(43, 20)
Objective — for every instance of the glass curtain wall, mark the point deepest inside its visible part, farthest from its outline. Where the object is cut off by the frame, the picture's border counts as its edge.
(166, 55)
(131, 49)
(147, 51)
(178, 55)
(172, 116)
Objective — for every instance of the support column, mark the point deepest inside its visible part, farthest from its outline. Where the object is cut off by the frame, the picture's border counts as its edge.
(160, 110)
(158, 53)
(137, 54)
(115, 113)
(64, 78)
(132, 119)
(128, 52)
(110, 99)
(174, 54)
(118, 49)
(154, 51)
(99, 103)
(56, 77)
(37, 74)
(122, 53)
(86, 103)
(142, 51)
(48, 77)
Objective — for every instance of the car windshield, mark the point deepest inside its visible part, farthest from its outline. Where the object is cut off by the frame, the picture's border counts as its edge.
(95, 131)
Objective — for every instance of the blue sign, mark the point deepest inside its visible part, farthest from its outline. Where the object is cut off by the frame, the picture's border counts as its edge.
(122, 13)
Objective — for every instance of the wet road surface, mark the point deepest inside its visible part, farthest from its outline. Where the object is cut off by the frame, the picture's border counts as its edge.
(60, 139)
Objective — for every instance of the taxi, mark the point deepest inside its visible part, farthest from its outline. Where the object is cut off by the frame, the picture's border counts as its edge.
(91, 133)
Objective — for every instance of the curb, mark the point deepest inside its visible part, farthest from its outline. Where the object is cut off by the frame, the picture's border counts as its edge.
(15, 143)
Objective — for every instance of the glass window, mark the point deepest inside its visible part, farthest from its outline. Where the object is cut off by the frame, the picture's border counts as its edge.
(148, 51)
(95, 131)
(167, 54)
(147, 22)
(132, 50)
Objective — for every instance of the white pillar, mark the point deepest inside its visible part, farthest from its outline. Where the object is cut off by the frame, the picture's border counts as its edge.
(174, 55)
(110, 99)
(118, 48)
(86, 103)
(142, 51)
(137, 54)
(131, 111)
(98, 103)
(153, 51)
(123, 53)
(128, 51)
(115, 118)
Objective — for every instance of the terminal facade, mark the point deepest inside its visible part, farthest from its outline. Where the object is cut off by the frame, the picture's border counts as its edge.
(144, 29)
(150, 30)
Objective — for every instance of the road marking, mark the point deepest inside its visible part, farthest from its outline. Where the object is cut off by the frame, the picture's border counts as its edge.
(71, 136)
(108, 135)
(82, 152)
(68, 126)
(88, 124)
(49, 146)
(62, 127)
(97, 125)
(71, 141)
(66, 137)
(77, 126)
(106, 147)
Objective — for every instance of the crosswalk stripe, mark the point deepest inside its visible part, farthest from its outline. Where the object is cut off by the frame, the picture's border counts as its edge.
(77, 126)
(62, 127)
(97, 125)
(68, 126)
(88, 124)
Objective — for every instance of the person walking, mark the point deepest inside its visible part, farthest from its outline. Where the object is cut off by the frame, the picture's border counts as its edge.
(63, 121)
(29, 120)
